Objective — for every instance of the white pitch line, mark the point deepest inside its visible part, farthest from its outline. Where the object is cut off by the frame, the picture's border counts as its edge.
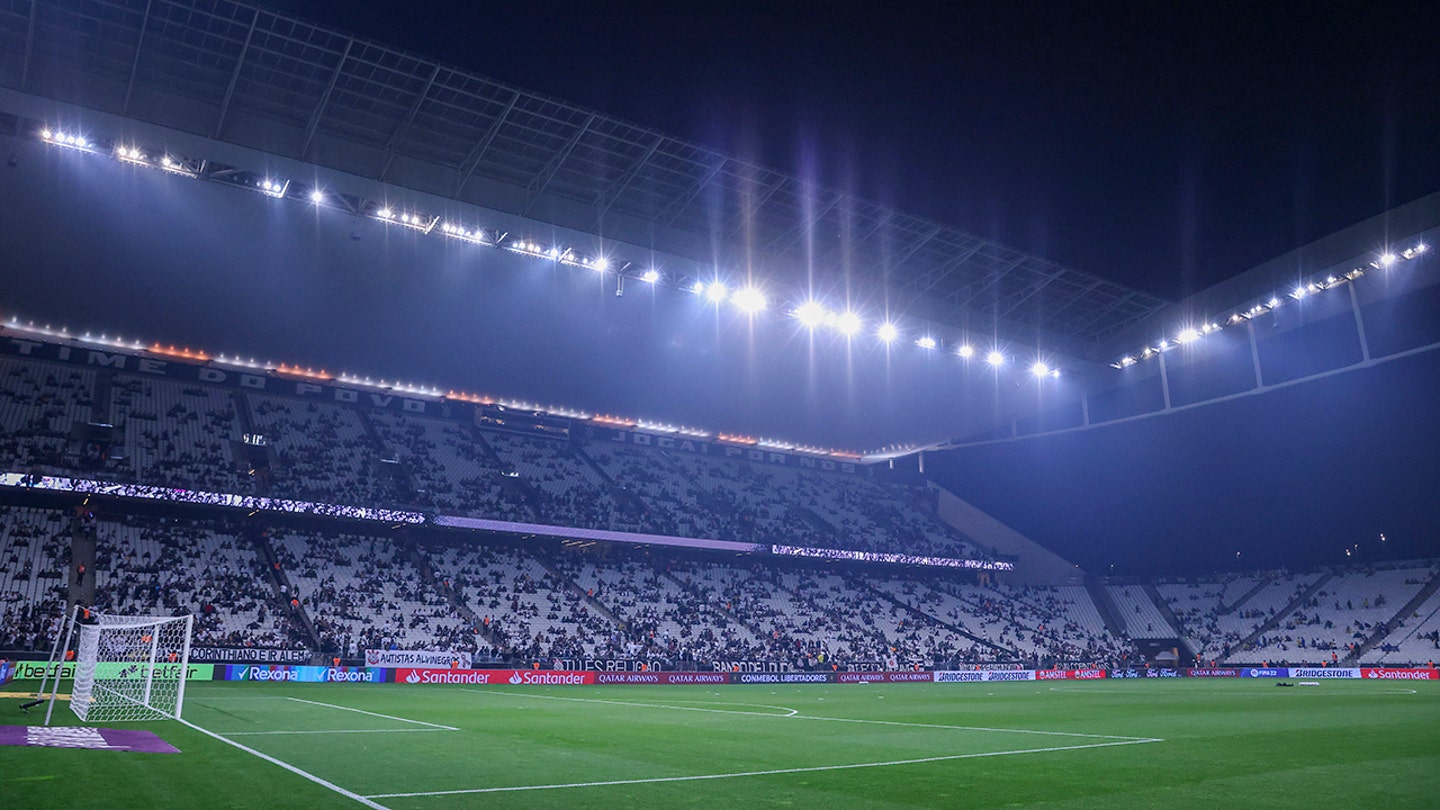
(365, 800)
(341, 731)
(812, 769)
(794, 713)
(372, 714)
(790, 712)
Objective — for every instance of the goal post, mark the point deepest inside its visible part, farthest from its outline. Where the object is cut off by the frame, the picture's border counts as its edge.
(127, 668)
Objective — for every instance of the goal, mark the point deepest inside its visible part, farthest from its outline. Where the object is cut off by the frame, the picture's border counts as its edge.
(126, 667)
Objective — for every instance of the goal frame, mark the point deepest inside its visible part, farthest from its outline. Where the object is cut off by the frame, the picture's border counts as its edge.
(87, 655)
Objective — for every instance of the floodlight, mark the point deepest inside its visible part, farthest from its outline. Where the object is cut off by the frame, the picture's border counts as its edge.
(966, 351)
(1273, 302)
(749, 299)
(1420, 248)
(385, 213)
(926, 342)
(698, 288)
(811, 314)
(602, 264)
(995, 358)
(1387, 260)
(1039, 369)
(317, 196)
(717, 291)
(848, 323)
(1188, 335)
(651, 276)
(887, 332)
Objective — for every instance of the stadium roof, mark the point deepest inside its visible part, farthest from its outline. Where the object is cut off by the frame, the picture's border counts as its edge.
(241, 74)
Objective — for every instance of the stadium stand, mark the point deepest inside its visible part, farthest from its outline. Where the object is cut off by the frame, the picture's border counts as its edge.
(339, 589)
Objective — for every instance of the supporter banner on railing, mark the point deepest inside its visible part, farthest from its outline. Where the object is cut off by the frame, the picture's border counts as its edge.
(983, 676)
(1264, 672)
(249, 655)
(494, 677)
(249, 379)
(1399, 674)
(577, 533)
(610, 664)
(689, 678)
(7, 671)
(1324, 672)
(1069, 674)
(283, 673)
(87, 486)
(892, 559)
(393, 659)
(1212, 672)
(884, 677)
(34, 670)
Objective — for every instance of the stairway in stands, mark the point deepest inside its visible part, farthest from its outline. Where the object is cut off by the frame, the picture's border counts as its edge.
(1382, 632)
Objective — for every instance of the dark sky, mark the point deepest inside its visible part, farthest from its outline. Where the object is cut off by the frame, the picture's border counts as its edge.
(1162, 147)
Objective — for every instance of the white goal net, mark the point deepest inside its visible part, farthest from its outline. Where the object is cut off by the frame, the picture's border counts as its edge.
(130, 667)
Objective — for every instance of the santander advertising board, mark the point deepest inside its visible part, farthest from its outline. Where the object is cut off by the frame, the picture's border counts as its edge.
(494, 677)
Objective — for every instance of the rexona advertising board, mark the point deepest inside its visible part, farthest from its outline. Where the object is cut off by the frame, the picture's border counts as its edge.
(1394, 674)
(287, 674)
(987, 676)
(28, 670)
(495, 677)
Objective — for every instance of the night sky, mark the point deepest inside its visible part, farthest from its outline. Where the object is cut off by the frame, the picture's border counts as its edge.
(1162, 147)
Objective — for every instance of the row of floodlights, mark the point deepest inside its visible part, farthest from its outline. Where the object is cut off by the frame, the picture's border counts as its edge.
(1190, 334)
(748, 299)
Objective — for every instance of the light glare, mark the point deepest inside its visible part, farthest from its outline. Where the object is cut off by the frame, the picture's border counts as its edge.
(887, 332)
(995, 359)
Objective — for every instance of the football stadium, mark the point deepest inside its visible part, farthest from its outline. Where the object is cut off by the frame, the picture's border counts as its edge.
(377, 433)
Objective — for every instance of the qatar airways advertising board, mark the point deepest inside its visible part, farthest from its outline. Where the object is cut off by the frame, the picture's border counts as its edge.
(884, 677)
(657, 678)
(495, 677)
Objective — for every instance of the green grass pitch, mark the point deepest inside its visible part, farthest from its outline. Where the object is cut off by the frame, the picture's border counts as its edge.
(1183, 743)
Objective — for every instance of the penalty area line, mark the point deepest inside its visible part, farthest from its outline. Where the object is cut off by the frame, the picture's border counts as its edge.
(773, 772)
(372, 714)
(365, 800)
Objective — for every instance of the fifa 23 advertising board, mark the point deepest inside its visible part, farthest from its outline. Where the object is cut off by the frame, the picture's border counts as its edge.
(495, 677)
